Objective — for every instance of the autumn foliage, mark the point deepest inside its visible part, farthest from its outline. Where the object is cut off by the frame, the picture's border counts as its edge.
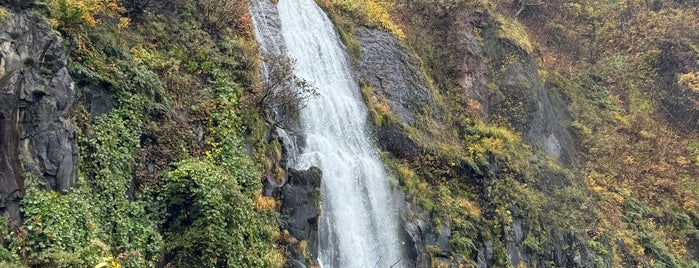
(69, 16)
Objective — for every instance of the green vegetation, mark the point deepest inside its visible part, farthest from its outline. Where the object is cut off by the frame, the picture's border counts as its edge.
(514, 32)
(204, 201)
(4, 14)
(150, 193)
(476, 171)
(369, 13)
(638, 161)
(170, 173)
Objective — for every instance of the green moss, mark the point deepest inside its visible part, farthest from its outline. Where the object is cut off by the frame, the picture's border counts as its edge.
(513, 31)
(4, 14)
(379, 110)
(368, 13)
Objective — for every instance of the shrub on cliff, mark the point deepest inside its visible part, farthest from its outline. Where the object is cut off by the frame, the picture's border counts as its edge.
(211, 221)
(71, 16)
(281, 90)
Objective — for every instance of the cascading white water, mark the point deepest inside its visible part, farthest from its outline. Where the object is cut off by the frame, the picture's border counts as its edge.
(359, 225)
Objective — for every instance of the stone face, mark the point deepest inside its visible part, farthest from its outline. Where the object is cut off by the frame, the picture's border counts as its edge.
(48, 139)
(386, 66)
(393, 139)
(419, 234)
(300, 212)
(11, 182)
(35, 100)
(536, 111)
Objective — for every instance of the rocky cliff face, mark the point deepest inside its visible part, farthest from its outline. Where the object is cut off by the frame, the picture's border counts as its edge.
(299, 213)
(518, 96)
(36, 95)
(386, 66)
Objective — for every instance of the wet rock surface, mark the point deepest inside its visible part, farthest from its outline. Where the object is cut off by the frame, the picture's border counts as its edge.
(36, 96)
(393, 139)
(386, 66)
(300, 211)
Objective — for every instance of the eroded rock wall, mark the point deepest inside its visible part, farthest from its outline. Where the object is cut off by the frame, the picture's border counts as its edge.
(36, 95)
(504, 79)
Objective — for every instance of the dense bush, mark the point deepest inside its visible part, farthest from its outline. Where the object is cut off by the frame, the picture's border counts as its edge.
(107, 224)
(72, 16)
(211, 221)
(192, 76)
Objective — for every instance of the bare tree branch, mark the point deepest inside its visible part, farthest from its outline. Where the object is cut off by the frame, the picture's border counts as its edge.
(281, 91)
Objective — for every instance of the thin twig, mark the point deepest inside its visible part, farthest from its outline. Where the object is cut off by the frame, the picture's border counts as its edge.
(394, 264)
(377, 262)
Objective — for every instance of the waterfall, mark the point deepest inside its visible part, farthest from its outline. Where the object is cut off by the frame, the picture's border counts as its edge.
(359, 224)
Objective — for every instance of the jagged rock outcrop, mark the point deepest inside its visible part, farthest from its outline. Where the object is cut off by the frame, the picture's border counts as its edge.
(517, 95)
(388, 67)
(36, 97)
(395, 140)
(299, 213)
(17, 4)
(420, 234)
(267, 19)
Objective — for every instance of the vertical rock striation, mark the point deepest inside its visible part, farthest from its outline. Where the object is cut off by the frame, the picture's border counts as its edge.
(36, 95)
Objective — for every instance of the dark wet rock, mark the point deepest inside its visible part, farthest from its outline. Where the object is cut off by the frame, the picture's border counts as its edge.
(17, 4)
(514, 238)
(393, 139)
(419, 235)
(300, 211)
(569, 250)
(416, 231)
(37, 95)
(299, 196)
(100, 101)
(560, 249)
(443, 240)
(11, 182)
(387, 66)
(484, 254)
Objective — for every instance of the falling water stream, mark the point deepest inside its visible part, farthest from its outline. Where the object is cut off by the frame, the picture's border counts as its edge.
(359, 224)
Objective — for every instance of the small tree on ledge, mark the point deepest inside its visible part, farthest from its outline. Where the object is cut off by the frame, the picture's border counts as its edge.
(281, 91)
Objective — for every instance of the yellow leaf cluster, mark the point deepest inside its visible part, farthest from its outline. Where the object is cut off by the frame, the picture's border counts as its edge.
(67, 15)
(265, 203)
(469, 208)
(375, 12)
(4, 14)
(690, 80)
(108, 263)
(514, 31)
